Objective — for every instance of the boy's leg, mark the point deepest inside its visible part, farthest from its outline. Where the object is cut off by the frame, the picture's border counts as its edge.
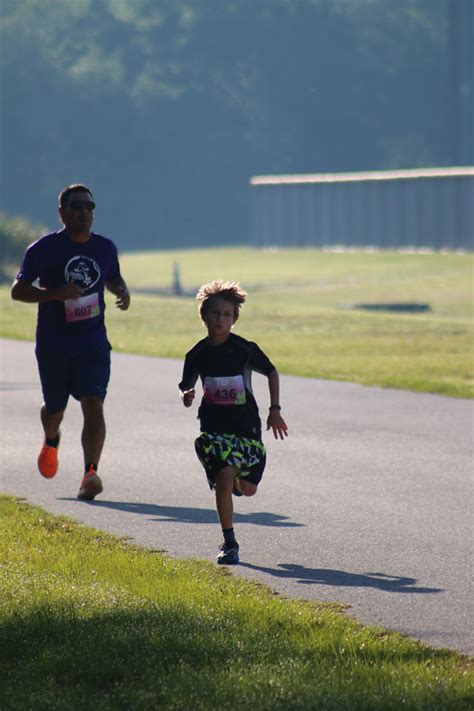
(225, 508)
(246, 488)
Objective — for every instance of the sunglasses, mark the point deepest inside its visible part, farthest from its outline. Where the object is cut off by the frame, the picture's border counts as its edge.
(77, 205)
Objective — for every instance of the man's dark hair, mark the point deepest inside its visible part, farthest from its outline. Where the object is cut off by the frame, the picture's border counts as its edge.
(75, 188)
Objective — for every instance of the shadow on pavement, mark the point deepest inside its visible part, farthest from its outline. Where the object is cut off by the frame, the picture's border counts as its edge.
(179, 514)
(343, 579)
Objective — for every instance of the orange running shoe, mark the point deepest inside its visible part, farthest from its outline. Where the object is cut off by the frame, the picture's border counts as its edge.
(48, 460)
(91, 485)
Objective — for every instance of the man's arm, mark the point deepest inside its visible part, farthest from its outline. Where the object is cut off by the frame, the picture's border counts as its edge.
(119, 288)
(26, 292)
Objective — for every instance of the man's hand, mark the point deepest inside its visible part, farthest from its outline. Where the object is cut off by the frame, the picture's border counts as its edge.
(122, 301)
(69, 291)
(276, 422)
(24, 291)
(187, 397)
(119, 289)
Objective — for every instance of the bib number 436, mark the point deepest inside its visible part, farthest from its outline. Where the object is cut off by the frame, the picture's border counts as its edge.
(228, 390)
(224, 394)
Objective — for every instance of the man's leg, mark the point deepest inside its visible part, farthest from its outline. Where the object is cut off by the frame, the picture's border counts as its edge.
(51, 422)
(93, 431)
(54, 375)
(48, 457)
(93, 437)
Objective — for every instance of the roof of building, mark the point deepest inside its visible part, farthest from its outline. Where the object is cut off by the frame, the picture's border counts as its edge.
(362, 176)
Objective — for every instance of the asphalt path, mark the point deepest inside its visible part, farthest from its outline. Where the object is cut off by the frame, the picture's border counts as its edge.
(367, 503)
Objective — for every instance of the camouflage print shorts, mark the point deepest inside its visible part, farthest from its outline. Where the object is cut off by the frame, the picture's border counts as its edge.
(216, 451)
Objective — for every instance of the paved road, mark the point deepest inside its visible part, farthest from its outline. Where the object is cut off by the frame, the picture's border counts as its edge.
(367, 503)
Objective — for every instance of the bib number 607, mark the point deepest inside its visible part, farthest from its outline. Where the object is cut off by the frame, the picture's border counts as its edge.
(82, 312)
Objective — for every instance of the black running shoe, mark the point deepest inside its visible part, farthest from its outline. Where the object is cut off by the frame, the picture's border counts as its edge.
(229, 554)
(235, 491)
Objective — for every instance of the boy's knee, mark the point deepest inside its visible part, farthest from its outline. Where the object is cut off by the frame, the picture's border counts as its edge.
(246, 488)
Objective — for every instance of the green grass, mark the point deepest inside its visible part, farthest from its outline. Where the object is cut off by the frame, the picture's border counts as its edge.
(90, 621)
(301, 311)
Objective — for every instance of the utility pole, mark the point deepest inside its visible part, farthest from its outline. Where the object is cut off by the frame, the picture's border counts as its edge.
(176, 288)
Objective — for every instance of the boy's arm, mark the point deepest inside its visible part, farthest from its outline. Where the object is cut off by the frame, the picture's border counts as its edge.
(275, 421)
(187, 397)
(186, 386)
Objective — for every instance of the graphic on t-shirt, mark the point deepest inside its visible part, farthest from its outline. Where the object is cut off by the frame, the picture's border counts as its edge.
(229, 390)
(84, 271)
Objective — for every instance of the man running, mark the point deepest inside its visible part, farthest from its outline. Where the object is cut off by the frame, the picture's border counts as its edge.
(73, 266)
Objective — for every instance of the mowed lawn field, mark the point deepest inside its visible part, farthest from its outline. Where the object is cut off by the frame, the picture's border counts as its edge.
(89, 621)
(87, 616)
(391, 319)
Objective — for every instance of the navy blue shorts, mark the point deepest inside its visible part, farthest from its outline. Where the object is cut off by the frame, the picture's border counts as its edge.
(85, 374)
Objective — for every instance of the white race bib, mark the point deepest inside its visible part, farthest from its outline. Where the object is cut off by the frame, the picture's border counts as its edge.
(228, 390)
(83, 308)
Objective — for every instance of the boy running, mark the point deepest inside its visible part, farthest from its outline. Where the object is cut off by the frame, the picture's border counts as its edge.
(230, 445)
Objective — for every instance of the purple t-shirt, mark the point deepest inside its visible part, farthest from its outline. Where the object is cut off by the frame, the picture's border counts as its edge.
(72, 326)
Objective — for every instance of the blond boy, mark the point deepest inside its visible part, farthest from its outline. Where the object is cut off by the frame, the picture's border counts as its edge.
(230, 446)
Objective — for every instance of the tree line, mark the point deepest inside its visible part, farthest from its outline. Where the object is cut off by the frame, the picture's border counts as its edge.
(168, 107)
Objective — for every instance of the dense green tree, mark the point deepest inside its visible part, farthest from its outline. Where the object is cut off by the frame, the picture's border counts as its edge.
(167, 107)
(16, 233)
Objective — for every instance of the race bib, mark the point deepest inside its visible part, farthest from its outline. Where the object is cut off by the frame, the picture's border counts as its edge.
(83, 308)
(229, 390)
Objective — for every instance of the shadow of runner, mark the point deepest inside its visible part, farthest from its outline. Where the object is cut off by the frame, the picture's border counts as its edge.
(181, 514)
(343, 579)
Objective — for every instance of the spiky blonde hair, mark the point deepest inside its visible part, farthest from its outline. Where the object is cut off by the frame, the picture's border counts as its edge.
(230, 291)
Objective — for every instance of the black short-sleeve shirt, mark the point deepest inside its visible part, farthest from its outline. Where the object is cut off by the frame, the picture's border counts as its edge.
(228, 404)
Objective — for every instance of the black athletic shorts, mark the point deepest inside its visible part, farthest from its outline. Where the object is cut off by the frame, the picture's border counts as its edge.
(216, 451)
